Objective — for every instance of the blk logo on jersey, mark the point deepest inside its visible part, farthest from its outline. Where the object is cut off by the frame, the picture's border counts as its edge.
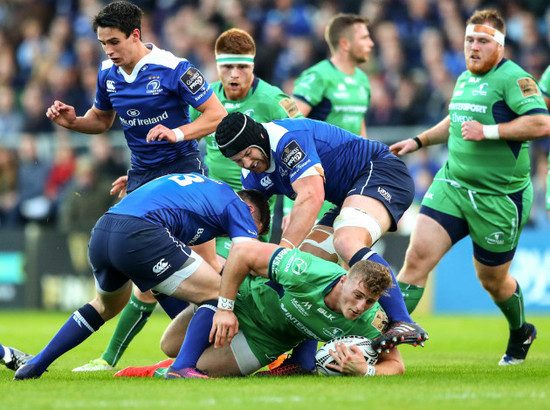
(292, 154)
(193, 80)
(161, 267)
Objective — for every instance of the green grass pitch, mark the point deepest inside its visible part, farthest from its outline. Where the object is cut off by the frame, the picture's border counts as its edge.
(456, 370)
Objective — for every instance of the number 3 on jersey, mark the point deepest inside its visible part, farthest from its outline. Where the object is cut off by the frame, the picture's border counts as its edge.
(184, 180)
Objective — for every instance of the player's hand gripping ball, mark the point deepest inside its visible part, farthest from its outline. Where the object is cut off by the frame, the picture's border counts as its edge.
(323, 357)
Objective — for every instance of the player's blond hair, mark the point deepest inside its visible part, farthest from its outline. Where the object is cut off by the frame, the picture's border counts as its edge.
(492, 17)
(376, 277)
(235, 41)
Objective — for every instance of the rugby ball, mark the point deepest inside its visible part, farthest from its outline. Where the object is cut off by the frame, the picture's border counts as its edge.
(323, 357)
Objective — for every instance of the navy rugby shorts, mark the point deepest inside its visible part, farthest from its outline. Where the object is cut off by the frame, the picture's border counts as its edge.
(385, 179)
(126, 248)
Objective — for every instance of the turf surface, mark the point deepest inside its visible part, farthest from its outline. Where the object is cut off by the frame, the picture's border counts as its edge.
(456, 370)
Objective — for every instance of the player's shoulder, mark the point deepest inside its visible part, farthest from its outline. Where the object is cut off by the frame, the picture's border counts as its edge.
(165, 58)
(507, 69)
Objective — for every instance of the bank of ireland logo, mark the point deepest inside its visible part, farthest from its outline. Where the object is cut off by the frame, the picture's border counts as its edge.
(266, 181)
(495, 238)
(153, 86)
(132, 112)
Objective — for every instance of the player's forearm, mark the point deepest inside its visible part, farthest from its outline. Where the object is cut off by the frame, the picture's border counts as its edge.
(207, 122)
(302, 218)
(438, 134)
(235, 270)
(91, 123)
(525, 128)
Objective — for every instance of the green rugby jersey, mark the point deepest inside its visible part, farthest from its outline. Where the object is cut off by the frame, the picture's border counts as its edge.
(500, 95)
(263, 103)
(289, 307)
(335, 97)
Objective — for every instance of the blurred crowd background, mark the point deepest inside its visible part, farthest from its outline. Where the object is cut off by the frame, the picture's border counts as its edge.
(48, 51)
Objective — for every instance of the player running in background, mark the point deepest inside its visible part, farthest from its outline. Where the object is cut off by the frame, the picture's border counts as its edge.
(484, 189)
(289, 297)
(310, 161)
(145, 238)
(151, 91)
(336, 90)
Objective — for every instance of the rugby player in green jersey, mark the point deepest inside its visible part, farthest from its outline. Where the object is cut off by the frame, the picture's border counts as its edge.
(484, 189)
(289, 296)
(239, 90)
(336, 90)
(545, 88)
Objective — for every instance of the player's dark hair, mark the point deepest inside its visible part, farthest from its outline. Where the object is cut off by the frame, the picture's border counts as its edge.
(121, 15)
(235, 41)
(339, 26)
(376, 277)
(259, 201)
(492, 17)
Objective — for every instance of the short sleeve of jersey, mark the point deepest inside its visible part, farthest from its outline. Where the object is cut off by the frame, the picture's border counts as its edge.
(310, 86)
(297, 152)
(523, 94)
(544, 82)
(191, 85)
(239, 221)
(295, 269)
(101, 100)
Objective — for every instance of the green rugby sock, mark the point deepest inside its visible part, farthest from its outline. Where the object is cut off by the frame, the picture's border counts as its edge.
(411, 295)
(513, 310)
(132, 319)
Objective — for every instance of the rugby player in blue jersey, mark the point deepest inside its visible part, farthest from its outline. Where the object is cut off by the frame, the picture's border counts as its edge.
(151, 91)
(145, 239)
(312, 161)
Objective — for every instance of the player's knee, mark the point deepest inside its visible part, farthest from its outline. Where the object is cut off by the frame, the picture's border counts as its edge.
(169, 346)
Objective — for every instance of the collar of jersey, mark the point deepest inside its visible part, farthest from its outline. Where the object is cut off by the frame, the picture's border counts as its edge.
(275, 133)
(130, 78)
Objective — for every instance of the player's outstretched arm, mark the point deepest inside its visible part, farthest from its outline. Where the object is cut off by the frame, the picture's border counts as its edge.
(438, 134)
(95, 121)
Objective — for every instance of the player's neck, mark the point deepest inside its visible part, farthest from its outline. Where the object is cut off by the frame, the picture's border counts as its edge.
(142, 51)
(343, 63)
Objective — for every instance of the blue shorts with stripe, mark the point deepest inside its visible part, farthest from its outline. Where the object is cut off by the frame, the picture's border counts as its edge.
(385, 179)
(126, 248)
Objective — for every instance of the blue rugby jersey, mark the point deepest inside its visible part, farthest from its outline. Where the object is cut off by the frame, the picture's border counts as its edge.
(192, 207)
(159, 91)
(304, 145)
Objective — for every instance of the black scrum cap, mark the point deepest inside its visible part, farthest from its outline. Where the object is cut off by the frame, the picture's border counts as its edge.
(238, 131)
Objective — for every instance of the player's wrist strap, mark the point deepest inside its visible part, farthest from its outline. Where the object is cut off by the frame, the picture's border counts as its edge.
(371, 371)
(225, 303)
(418, 142)
(179, 134)
(491, 132)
